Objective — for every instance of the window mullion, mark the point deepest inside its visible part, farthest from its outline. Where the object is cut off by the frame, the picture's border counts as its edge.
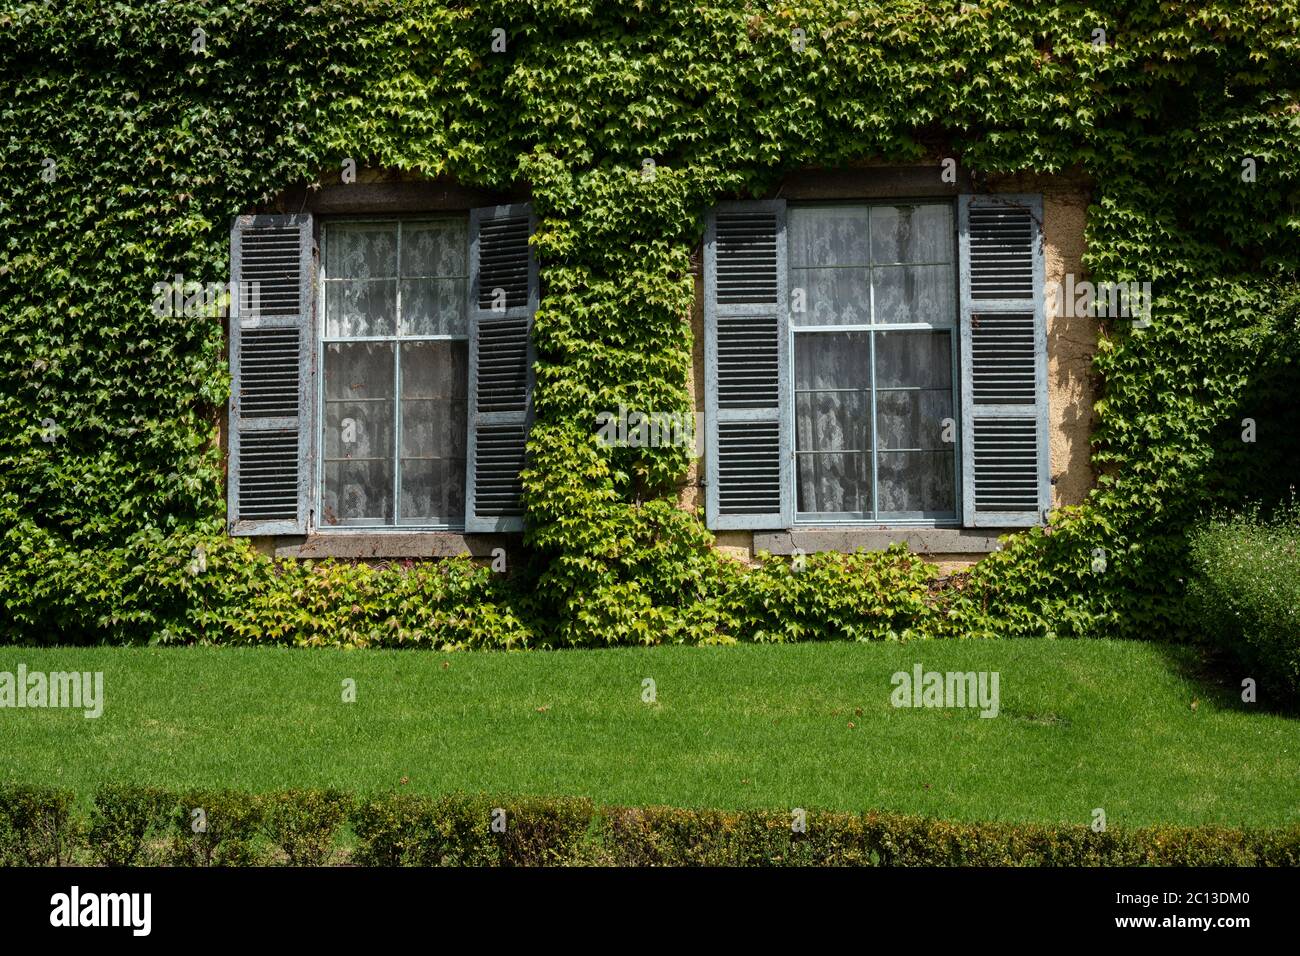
(397, 388)
(871, 353)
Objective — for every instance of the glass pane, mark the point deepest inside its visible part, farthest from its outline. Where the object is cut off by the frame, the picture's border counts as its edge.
(435, 369)
(434, 249)
(833, 422)
(361, 250)
(830, 297)
(434, 307)
(827, 236)
(435, 380)
(360, 307)
(357, 431)
(358, 371)
(914, 294)
(914, 360)
(916, 482)
(834, 484)
(433, 429)
(915, 419)
(911, 234)
(433, 490)
(357, 434)
(357, 493)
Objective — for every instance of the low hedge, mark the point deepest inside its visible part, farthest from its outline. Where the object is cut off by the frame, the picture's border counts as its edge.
(1245, 595)
(129, 825)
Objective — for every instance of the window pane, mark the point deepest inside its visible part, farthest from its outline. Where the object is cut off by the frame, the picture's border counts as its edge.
(914, 294)
(434, 307)
(433, 490)
(833, 422)
(360, 307)
(358, 371)
(361, 250)
(914, 482)
(911, 234)
(830, 297)
(357, 435)
(827, 236)
(914, 419)
(357, 493)
(829, 281)
(435, 379)
(914, 359)
(432, 249)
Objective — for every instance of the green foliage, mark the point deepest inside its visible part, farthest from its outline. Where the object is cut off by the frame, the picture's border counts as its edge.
(1245, 594)
(157, 146)
(303, 825)
(37, 826)
(405, 830)
(402, 829)
(884, 595)
(213, 828)
(125, 823)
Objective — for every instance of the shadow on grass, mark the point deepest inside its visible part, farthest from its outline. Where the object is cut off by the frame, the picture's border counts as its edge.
(1219, 676)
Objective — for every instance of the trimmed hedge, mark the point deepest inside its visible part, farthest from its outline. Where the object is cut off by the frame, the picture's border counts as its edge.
(38, 827)
(1245, 594)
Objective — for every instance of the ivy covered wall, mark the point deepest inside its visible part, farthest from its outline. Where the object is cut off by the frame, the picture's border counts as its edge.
(130, 134)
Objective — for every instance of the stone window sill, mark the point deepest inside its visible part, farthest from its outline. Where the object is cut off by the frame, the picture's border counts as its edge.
(416, 544)
(847, 540)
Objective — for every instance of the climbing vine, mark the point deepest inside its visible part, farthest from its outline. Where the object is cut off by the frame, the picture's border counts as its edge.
(131, 133)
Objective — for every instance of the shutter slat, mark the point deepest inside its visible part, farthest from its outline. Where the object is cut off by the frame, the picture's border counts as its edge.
(1002, 243)
(1005, 464)
(272, 269)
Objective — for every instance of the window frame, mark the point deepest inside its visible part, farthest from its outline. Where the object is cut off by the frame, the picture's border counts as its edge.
(315, 524)
(912, 520)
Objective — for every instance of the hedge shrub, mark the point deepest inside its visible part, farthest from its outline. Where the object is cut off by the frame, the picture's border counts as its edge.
(126, 823)
(1245, 594)
(213, 828)
(39, 827)
(303, 825)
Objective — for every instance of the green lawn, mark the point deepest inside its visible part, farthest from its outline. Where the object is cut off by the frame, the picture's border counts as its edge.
(1083, 724)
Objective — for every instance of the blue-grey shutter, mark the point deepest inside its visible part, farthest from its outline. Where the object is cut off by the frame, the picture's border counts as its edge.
(1006, 478)
(746, 344)
(272, 363)
(503, 295)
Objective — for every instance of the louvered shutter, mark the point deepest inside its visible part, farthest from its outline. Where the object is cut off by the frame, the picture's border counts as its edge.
(746, 346)
(503, 296)
(1005, 468)
(271, 366)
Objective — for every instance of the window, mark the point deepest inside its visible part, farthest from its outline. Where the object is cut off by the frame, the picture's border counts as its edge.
(394, 359)
(876, 363)
(872, 319)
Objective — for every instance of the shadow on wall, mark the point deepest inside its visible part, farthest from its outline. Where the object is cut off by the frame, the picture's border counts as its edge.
(1258, 449)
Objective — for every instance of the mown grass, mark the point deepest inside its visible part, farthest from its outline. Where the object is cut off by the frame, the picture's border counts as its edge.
(1083, 724)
